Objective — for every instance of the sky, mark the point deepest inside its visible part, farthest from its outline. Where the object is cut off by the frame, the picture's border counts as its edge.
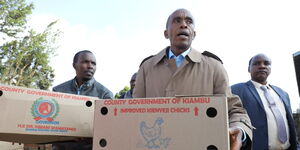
(121, 33)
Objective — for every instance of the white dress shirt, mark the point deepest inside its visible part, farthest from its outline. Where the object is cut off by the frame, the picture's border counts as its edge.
(274, 143)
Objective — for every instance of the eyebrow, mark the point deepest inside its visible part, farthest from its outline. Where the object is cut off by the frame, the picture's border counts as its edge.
(265, 61)
(190, 18)
(186, 18)
(175, 18)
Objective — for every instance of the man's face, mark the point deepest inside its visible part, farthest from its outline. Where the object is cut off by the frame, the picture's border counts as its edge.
(85, 66)
(260, 68)
(132, 84)
(180, 29)
(132, 81)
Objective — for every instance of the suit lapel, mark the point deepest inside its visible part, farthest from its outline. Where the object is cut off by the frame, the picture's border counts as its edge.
(254, 93)
(278, 93)
(282, 98)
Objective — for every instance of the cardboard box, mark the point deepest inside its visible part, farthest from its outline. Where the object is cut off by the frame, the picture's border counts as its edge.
(193, 123)
(38, 116)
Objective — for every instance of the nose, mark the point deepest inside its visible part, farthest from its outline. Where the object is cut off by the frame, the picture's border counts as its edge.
(262, 65)
(183, 24)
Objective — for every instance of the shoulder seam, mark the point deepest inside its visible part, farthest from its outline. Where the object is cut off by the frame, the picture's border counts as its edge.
(209, 54)
(145, 59)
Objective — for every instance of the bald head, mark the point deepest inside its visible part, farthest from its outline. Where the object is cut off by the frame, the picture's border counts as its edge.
(181, 9)
(180, 31)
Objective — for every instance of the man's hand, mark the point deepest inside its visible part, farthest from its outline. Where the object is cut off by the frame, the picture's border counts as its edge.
(235, 135)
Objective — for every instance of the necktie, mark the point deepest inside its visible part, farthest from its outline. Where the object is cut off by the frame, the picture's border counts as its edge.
(282, 136)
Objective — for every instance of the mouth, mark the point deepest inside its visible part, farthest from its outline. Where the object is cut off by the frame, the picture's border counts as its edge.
(261, 72)
(89, 72)
(183, 34)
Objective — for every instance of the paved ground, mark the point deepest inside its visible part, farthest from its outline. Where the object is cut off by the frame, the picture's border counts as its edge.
(10, 146)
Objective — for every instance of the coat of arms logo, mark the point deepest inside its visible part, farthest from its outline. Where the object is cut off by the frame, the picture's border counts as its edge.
(45, 109)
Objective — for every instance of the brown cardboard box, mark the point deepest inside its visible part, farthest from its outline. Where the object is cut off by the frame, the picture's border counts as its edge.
(38, 116)
(182, 123)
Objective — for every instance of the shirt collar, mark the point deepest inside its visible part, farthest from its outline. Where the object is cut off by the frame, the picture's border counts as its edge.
(258, 85)
(193, 55)
(86, 84)
(182, 54)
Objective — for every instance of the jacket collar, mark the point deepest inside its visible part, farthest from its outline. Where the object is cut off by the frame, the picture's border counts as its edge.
(256, 95)
(252, 88)
(85, 85)
(194, 55)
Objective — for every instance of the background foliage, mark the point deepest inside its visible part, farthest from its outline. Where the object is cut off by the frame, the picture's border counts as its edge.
(24, 53)
(122, 92)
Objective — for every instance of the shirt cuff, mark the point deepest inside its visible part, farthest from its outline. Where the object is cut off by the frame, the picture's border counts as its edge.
(244, 137)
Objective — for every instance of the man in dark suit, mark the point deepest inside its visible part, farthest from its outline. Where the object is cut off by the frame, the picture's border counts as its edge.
(268, 107)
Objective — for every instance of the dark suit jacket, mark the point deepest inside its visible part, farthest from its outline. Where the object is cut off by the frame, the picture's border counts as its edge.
(254, 106)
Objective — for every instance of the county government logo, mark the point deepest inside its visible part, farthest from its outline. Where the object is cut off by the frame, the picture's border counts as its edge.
(45, 109)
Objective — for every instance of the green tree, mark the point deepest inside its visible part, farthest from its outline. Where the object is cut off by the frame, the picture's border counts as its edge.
(24, 58)
(13, 16)
(122, 92)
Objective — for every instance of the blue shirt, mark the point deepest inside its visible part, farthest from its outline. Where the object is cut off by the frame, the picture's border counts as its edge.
(180, 58)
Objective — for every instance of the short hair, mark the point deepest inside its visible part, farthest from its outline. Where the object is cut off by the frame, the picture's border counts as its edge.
(76, 56)
(250, 63)
(250, 60)
(167, 23)
(133, 77)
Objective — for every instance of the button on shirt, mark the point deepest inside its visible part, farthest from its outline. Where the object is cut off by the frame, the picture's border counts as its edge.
(274, 143)
(180, 58)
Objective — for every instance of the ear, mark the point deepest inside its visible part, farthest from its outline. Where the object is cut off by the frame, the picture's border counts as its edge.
(166, 34)
(194, 35)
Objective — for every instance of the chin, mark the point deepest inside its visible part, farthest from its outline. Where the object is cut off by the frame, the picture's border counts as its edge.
(87, 78)
(262, 81)
(183, 46)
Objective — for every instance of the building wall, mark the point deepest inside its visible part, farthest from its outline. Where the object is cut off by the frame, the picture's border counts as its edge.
(297, 123)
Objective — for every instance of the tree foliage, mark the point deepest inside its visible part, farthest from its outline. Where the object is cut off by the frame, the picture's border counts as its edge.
(24, 59)
(13, 16)
(122, 92)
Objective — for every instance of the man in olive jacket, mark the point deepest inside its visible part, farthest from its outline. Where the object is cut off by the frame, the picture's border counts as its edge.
(191, 73)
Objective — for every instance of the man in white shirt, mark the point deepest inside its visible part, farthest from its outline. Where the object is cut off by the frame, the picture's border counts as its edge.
(268, 107)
